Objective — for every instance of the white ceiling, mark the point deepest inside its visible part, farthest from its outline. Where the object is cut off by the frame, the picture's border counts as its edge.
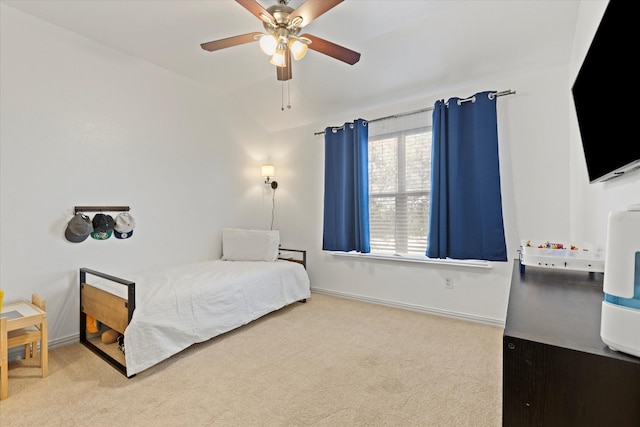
(409, 49)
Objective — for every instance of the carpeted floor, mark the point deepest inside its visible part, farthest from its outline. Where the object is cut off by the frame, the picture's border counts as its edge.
(329, 362)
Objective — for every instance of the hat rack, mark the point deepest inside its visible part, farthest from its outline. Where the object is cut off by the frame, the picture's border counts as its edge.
(77, 209)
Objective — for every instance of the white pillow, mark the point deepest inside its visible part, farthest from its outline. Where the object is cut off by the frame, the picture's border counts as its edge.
(250, 245)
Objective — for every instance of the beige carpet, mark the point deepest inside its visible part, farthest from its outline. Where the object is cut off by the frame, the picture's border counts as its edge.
(329, 362)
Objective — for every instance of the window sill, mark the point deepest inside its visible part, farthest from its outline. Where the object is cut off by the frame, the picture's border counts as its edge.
(415, 259)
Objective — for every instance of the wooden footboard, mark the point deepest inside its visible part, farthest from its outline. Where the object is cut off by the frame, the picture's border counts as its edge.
(294, 255)
(107, 308)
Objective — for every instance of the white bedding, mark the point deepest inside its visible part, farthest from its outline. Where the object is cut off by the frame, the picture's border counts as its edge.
(192, 303)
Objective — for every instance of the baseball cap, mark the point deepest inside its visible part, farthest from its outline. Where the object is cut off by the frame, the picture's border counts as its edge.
(78, 228)
(102, 226)
(124, 226)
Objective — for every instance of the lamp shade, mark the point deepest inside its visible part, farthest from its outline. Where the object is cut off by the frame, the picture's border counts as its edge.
(268, 44)
(298, 49)
(268, 171)
(278, 59)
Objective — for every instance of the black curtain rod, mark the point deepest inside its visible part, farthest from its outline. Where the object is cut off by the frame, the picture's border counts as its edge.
(422, 110)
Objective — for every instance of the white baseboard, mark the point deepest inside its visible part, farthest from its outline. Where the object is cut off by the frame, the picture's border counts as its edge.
(412, 307)
(61, 342)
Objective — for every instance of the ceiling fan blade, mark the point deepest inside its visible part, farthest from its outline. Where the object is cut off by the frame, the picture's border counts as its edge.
(229, 42)
(256, 9)
(311, 9)
(333, 50)
(284, 73)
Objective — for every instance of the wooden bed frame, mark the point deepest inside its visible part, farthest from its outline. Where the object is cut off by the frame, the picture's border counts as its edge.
(109, 309)
(116, 312)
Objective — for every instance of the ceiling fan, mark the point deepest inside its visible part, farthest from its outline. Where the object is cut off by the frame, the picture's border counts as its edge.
(281, 41)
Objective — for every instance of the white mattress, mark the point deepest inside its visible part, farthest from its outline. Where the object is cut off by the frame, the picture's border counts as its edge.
(192, 303)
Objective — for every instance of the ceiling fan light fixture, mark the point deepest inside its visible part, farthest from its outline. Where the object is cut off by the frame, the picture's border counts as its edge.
(298, 48)
(280, 39)
(268, 44)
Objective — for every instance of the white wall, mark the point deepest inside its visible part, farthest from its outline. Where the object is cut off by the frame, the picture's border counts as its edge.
(533, 138)
(82, 124)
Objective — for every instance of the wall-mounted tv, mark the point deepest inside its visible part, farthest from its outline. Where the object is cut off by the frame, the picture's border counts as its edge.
(604, 94)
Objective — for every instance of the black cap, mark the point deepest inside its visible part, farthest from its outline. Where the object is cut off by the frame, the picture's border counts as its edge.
(103, 225)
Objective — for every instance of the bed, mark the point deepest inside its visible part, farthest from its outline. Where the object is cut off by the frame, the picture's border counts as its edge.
(161, 313)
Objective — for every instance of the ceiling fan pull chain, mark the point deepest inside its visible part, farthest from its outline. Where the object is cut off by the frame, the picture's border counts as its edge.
(289, 94)
(282, 98)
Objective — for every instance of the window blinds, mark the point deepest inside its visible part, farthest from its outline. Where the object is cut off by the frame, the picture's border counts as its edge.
(399, 183)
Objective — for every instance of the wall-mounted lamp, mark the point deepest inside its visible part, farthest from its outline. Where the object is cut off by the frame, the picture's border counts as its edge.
(268, 172)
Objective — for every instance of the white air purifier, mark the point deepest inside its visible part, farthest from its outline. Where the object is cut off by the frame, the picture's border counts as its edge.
(620, 323)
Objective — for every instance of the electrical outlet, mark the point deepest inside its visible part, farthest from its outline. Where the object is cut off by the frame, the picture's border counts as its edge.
(448, 283)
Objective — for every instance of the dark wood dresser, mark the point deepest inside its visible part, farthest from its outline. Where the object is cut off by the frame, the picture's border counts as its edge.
(556, 369)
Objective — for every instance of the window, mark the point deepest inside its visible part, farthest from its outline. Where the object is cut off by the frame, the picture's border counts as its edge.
(399, 185)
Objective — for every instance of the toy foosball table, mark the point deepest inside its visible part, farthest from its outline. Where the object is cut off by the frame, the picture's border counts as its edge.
(579, 257)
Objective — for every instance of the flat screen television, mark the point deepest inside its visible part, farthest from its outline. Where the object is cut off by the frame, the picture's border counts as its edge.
(604, 95)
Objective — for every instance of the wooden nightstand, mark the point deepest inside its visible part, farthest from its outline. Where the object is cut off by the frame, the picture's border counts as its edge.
(22, 323)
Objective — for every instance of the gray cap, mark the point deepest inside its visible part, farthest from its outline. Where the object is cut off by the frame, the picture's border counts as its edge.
(78, 228)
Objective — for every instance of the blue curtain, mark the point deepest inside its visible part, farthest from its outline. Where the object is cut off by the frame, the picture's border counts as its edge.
(346, 188)
(466, 205)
